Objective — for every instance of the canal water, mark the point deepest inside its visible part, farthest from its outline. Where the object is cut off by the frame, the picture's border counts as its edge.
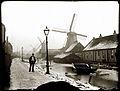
(100, 81)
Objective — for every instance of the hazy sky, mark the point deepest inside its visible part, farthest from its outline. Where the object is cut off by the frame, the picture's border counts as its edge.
(25, 21)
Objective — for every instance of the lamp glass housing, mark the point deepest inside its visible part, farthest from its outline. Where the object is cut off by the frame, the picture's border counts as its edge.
(46, 31)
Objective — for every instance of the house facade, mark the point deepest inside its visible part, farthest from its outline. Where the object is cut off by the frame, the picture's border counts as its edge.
(101, 50)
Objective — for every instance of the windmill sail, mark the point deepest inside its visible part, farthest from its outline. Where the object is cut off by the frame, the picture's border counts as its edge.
(60, 31)
(72, 22)
(81, 35)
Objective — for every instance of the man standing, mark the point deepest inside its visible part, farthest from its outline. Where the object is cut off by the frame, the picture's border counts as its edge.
(32, 61)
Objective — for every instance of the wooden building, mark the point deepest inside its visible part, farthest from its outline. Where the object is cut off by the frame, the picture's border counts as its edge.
(76, 47)
(6, 50)
(67, 58)
(70, 55)
(101, 50)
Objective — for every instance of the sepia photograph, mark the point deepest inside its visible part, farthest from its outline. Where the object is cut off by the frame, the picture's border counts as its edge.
(59, 45)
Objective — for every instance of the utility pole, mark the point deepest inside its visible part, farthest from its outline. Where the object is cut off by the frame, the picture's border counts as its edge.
(18, 53)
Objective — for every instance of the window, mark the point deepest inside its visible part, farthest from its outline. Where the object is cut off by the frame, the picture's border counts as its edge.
(98, 53)
(112, 52)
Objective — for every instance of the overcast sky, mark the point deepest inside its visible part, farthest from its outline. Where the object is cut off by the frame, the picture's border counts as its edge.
(25, 21)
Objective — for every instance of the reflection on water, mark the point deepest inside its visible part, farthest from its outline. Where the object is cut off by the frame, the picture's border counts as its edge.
(106, 84)
(83, 78)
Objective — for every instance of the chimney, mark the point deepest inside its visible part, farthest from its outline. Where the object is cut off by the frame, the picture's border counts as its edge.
(100, 36)
(7, 39)
(114, 32)
(93, 37)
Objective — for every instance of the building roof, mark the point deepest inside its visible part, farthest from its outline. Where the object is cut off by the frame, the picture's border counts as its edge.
(50, 51)
(8, 48)
(63, 55)
(75, 47)
(53, 51)
(105, 42)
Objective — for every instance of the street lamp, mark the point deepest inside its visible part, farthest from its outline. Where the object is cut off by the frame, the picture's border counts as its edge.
(22, 53)
(46, 32)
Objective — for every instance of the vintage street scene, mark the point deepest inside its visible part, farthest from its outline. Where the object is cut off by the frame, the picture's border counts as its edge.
(59, 45)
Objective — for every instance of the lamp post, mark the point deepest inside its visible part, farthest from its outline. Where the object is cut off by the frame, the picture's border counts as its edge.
(22, 53)
(46, 32)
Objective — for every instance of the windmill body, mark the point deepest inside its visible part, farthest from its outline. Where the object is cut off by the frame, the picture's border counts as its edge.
(71, 38)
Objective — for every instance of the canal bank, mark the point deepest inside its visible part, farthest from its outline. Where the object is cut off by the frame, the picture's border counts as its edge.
(105, 78)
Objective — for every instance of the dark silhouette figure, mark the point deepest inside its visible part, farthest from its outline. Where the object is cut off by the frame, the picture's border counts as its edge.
(56, 86)
(6, 50)
(32, 61)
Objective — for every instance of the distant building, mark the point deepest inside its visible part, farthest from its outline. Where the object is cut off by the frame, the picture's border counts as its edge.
(75, 48)
(66, 58)
(101, 50)
(51, 53)
(70, 54)
(8, 47)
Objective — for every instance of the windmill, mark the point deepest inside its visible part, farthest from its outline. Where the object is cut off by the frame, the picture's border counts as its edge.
(71, 36)
(43, 48)
(36, 49)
